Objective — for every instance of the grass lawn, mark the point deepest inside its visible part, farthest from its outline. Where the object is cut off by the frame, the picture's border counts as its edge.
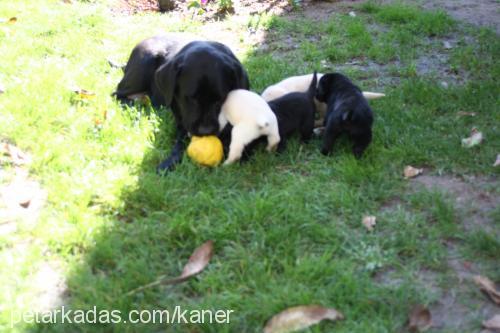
(287, 228)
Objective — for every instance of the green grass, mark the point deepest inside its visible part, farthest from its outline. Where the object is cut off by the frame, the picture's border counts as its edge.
(287, 228)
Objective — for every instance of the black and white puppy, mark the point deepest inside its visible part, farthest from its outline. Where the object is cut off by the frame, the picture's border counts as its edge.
(192, 77)
(347, 112)
(251, 118)
(295, 113)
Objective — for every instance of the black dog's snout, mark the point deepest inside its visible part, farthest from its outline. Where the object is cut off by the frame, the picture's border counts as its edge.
(207, 130)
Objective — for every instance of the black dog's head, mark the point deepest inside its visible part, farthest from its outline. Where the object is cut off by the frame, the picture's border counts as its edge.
(332, 83)
(196, 83)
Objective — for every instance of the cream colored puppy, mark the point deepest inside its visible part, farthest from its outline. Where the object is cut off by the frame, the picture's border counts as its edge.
(251, 118)
(301, 84)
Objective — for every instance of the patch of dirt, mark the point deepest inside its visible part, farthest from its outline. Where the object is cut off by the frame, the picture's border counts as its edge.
(474, 198)
(208, 12)
(459, 305)
(49, 287)
(131, 7)
(484, 13)
(21, 201)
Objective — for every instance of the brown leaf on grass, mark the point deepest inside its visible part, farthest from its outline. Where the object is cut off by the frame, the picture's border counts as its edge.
(420, 319)
(475, 138)
(195, 265)
(20, 192)
(17, 157)
(488, 287)
(84, 94)
(300, 317)
(493, 323)
(114, 64)
(497, 161)
(411, 172)
(11, 20)
(369, 222)
(141, 98)
(464, 114)
(2, 89)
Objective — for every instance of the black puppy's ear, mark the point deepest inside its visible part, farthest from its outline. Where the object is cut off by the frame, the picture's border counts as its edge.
(165, 80)
(323, 90)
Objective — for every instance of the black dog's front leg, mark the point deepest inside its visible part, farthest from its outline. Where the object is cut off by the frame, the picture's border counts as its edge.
(281, 145)
(361, 141)
(332, 132)
(176, 154)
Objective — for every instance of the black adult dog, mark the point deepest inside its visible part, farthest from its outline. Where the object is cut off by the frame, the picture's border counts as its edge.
(295, 112)
(145, 59)
(348, 112)
(192, 78)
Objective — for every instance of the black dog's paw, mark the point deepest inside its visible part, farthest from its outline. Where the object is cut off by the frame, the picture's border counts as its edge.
(167, 165)
(325, 151)
(281, 147)
(358, 152)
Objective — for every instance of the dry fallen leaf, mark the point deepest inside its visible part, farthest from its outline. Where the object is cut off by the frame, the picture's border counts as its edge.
(475, 138)
(411, 172)
(195, 265)
(2, 89)
(17, 157)
(141, 98)
(300, 317)
(197, 262)
(487, 286)
(463, 113)
(85, 94)
(10, 20)
(497, 161)
(420, 319)
(114, 64)
(369, 222)
(493, 323)
(447, 45)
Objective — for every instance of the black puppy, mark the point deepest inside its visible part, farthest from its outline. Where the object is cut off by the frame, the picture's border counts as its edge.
(347, 112)
(192, 77)
(145, 59)
(295, 112)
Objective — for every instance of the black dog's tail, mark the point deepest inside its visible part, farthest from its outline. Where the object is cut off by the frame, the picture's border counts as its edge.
(312, 87)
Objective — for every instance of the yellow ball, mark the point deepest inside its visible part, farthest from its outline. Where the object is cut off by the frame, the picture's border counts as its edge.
(206, 150)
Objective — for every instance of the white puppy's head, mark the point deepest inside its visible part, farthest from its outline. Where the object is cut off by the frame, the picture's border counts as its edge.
(251, 118)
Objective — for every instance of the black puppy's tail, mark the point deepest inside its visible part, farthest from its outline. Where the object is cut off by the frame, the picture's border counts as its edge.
(312, 87)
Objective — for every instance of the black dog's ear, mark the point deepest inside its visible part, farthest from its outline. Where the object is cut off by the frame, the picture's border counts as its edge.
(238, 75)
(323, 90)
(244, 82)
(165, 80)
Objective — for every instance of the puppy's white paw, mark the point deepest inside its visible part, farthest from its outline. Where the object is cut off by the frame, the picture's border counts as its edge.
(319, 131)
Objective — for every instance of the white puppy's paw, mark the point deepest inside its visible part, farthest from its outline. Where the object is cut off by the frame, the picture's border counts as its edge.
(319, 131)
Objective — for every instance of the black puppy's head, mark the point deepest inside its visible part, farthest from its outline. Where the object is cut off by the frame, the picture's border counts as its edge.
(329, 84)
(196, 83)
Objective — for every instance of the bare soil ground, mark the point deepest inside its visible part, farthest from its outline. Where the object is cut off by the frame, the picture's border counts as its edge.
(485, 13)
(459, 304)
